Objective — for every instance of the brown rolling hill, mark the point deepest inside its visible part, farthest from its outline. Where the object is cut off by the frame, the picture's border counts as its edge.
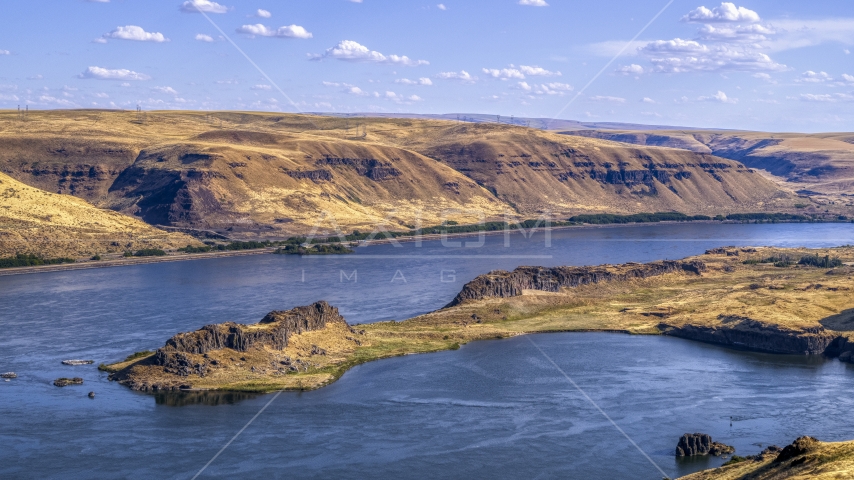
(274, 175)
(51, 225)
(812, 163)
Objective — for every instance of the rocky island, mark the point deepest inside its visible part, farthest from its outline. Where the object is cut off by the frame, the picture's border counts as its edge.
(789, 301)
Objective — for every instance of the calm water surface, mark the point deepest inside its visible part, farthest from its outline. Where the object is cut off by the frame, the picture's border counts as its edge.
(495, 408)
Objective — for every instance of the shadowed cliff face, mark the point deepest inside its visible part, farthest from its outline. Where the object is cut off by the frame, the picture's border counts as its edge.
(502, 284)
(825, 162)
(743, 332)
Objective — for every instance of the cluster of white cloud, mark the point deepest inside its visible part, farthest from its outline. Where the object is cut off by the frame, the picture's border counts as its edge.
(719, 97)
(389, 95)
(351, 51)
(421, 81)
(827, 98)
(554, 88)
(290, 31)
(168, 90)
(462, 76)
(727, 12)
(441, 6)
(207, 6)
(729, 39)
(261, 13)
(100, 73)
(534, 3)
(133, 32)
(812, 77)
(519, 73)
(204, 38)
(607, 98)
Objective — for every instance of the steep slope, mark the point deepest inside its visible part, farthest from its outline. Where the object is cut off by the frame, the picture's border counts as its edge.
(538, 171)
(276, 175)
(52, 225)
(805, 458)
(822, 163)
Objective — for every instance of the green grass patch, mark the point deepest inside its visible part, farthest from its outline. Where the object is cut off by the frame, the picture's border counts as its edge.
(29, 260)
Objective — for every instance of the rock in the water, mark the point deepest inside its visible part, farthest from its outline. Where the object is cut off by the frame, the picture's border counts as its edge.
(799, 447)
(64, 382)
(91, 394)
(77, 362)
(9, 375)
(700, 444)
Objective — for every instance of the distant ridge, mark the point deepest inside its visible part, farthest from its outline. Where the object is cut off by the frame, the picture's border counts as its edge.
(533, 122)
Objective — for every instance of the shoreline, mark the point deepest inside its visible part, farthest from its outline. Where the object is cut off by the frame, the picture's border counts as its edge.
(131, 261)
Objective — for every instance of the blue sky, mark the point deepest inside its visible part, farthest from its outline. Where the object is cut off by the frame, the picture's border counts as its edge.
(782, 65)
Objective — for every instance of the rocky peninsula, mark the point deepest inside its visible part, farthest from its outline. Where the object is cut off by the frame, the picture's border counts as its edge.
(766, 299)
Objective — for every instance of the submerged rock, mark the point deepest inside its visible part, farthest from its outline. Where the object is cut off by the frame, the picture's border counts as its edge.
(700, 444)
(64, 382)
(77, 362)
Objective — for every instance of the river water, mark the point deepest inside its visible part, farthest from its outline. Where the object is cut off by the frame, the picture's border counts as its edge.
(497, 408)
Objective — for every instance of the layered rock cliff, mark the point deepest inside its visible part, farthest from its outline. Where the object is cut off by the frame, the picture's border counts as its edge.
(747, 333)
(502, 284)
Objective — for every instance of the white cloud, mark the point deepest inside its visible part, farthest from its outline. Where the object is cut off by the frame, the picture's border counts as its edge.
(462, 75)
(135, 33)
(736, 33)
(504, 73)
(534, 3)
(727, 12)
(647, 100)
(107, 74)
(632, 69)
(441, 6)
(5, 52)
(812, 77)
(827, 98)
(10, 98)
(355, 90)
(204, 38)
(98, 1)
(847, 52)
(793, 33)
(538, 71)
(720, 97)
(207, 6)
(101, 95)
(525, 86)
(402, 99)
(848, 78)
(611, 48)
(421, 81)
(678, 55)
(168, 90)
(355, 1)
(290, 31)
(606, 98)
(351, 51)
(262, 87)
(261, 13)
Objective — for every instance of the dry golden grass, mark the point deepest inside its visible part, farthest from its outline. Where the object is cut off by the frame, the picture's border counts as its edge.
(52, 225)
(829, 461)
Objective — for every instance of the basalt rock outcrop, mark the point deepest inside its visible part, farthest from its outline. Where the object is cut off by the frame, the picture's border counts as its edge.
(279, 326)
(503, 284)
(743, 332)
(799, 447)
(180, 355)
(692, 444)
